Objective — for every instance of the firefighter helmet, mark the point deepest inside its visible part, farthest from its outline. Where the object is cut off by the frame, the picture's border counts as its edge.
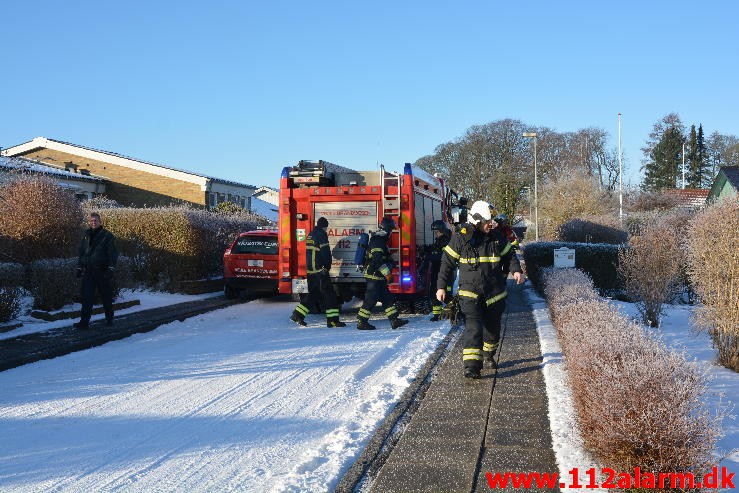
(480, 211)
(387, 225)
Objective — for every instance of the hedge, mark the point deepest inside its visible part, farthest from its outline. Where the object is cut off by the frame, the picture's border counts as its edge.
(598, 260)
(168, 245)
(638, 403)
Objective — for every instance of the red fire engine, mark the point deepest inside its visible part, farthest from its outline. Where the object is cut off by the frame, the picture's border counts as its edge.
(354, 202)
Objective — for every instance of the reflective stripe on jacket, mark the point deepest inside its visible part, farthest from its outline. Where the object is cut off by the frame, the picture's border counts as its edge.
(380, 262)
(317, 252)
(481, 259)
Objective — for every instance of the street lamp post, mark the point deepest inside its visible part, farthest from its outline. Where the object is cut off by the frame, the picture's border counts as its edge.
(620, 177)
(536, 191)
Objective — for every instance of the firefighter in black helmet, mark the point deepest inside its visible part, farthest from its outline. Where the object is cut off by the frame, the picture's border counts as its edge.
(378, 275)
(442, 234)
(318, 263)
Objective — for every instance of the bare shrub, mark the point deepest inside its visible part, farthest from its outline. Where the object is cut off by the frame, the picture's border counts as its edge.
(100, 202)
(10, 303)
(123, 277)
(53, 283)
(41, 218)
(566, 286)
(571, 195)
(650, 270)
(637, 403)
(227, 208)
(167, 245)
(714, 271)
(644, 201)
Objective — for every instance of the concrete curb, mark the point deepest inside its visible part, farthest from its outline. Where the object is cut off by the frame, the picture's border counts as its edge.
(29, 348)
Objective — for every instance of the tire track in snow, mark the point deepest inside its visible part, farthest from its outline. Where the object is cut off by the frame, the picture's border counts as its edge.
(141, 444)
(345, 442)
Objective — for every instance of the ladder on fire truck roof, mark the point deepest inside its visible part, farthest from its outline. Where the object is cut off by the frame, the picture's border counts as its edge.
(391, 207)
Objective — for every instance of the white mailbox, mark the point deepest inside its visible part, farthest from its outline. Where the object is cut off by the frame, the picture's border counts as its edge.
(564, 257)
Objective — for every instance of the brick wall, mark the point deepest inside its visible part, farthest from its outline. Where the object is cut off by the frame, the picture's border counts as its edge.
(127, 186)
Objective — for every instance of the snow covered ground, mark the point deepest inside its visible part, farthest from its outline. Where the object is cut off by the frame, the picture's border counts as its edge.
(240, 399)
(234, 400)
(148, 299)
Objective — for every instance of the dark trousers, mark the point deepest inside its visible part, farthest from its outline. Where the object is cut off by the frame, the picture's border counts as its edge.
(377, 291)
(481, 328)
(320, 290)
(102, 282)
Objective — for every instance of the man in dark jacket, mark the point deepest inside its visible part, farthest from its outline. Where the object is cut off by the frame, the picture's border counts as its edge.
(96, 264)
(442, 236)
(378, 275)
(320, 287)
(481, 254)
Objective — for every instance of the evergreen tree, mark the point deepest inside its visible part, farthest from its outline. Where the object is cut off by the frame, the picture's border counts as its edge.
(701, 156)
(693, 172)
(652, 170)
(665, 161)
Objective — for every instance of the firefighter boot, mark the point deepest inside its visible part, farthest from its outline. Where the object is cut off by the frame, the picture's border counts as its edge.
(488, 353)
(488, 357)
(298, 319)
(364, 325)
(334, 322)
(472, 373)
(397, 323)
(436, 311)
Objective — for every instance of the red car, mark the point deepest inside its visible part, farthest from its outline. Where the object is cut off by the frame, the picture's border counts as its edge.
(250, 264)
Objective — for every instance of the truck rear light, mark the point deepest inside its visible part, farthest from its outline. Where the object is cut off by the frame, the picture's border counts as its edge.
(405, 257)
(406, 278)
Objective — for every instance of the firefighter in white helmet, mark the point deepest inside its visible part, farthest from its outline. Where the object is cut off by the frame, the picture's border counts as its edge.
(482, 254)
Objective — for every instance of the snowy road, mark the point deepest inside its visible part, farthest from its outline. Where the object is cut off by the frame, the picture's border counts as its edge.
(234, 400)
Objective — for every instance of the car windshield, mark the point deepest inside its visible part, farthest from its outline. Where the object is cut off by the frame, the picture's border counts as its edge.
(256, 244)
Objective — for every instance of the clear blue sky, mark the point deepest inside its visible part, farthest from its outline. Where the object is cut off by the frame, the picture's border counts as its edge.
(239, 89)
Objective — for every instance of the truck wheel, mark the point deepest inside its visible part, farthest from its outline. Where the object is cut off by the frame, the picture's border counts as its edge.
(231, 293)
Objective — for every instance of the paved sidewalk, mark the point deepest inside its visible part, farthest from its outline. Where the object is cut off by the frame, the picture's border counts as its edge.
(33, 347)
(464, 429)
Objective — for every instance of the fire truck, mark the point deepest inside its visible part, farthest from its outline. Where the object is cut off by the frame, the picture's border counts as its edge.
(354, 202)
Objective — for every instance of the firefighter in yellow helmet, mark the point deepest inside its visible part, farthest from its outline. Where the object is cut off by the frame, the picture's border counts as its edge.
(482, 254)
